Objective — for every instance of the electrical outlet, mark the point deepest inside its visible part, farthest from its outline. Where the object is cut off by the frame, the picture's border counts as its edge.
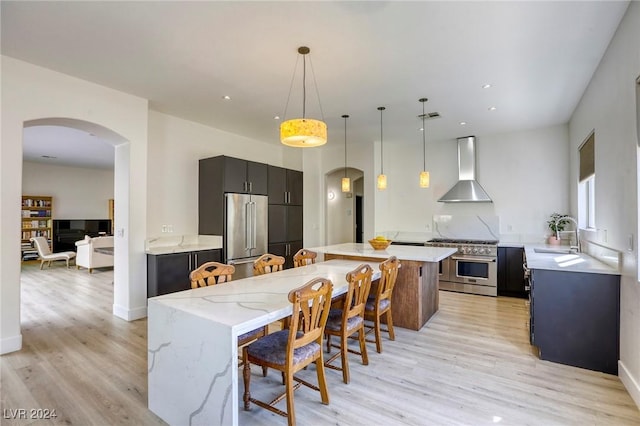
(169, 228)
(427, 227)
(164, 229)
(510, 228)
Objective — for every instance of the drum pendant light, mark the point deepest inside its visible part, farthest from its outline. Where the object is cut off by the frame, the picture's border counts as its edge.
(303, 132)
(424, 174)
(346, 182)
(382, 178)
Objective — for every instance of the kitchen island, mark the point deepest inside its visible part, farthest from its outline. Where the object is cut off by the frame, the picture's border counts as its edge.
(415, 296)
(193, 339)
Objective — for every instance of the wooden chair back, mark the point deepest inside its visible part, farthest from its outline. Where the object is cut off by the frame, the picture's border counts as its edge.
(356, 299)
(311, 305)
(389, 274)
(268, 263)
(304, 257)
(211, 273)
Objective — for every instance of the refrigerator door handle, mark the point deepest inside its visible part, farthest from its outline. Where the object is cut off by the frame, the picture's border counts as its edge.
(254, 231)
(247, 226)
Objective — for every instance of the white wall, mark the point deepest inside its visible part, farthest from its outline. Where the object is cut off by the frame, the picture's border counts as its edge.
(609, 106)
(175, 146)
(29, 93)
(78, 192)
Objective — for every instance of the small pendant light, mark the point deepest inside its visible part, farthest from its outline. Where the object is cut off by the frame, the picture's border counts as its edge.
(424, 174)
(346, 182)
(382, 178)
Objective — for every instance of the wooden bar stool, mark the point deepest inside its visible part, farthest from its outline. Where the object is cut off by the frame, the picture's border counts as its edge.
(268, 263)
(304, 257)
(379, 304)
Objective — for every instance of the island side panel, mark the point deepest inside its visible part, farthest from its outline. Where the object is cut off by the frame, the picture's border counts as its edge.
(192, 368)
(415, 297)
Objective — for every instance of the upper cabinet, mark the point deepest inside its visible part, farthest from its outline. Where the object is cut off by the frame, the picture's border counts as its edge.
(285, 186)
(242, 176)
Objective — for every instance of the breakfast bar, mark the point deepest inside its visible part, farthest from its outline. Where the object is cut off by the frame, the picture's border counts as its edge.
(192, 339)
(415, 295)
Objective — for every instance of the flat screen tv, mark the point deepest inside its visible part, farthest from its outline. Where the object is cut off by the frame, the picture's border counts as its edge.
(67, 231)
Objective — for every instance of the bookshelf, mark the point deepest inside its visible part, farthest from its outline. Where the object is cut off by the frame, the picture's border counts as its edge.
(36, 222)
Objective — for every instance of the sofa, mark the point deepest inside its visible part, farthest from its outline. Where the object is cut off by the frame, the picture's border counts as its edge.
(88, 257)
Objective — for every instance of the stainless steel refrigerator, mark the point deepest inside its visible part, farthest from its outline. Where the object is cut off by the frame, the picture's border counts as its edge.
(245, 231)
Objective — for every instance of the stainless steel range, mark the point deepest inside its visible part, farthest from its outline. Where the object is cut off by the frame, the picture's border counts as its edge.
(473, 269)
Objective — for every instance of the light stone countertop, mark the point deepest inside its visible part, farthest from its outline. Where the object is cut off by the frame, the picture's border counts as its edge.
(415, 253)
(569, 262)
(182, 244)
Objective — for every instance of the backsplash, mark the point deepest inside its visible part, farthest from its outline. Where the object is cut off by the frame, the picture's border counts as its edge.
(473, 227)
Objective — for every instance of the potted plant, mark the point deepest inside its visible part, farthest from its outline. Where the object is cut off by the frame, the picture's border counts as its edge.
(556, 224)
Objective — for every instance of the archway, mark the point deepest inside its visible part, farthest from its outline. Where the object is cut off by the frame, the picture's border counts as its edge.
(121, 192)
(341, 218)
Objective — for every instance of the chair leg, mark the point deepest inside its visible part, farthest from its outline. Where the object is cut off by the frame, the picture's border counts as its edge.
(291, 413)
(363, 346)
(328, 343)
(246, 375)
(322, 380)
(376, 324)
(392, 335)
(344, 356)
(41, 263)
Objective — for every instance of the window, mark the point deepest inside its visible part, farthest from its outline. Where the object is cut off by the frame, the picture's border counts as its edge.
(586, 188)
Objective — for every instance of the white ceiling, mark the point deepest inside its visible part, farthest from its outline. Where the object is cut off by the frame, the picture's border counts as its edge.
(184, 57)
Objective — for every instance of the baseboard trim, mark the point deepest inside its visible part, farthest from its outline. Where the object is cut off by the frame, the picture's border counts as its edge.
(10, 344)
(629, 382)
(129, 314)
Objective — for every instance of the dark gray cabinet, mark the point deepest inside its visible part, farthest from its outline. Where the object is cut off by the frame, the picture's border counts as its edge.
(575, 318)
(222, 174)
(511, 279)
(285, 212)
(168, 273)
(285, 186)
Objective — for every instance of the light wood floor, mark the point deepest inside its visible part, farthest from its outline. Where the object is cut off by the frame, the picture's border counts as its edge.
(471, 365)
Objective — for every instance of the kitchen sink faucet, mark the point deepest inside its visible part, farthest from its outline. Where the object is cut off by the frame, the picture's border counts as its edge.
(576, 230)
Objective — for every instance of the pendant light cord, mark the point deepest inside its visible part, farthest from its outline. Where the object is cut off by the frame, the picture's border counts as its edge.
(304, 85)
(345, 144)
(424, 142)
(381, 144)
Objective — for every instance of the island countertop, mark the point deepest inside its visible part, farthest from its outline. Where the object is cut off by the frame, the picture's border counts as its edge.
(414, 253)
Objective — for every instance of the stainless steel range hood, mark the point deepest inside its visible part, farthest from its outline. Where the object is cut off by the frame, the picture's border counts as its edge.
(467, 190)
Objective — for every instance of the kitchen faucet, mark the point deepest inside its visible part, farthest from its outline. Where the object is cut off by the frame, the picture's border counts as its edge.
(569, 218)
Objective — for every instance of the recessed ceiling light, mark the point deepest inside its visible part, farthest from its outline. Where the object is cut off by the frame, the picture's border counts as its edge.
(486, 86)
(492, 108)
(49, 156)
(463, 123)
(226, 97)
(277, 117)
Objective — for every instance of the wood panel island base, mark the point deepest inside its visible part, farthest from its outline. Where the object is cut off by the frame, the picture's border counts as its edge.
(415, 296)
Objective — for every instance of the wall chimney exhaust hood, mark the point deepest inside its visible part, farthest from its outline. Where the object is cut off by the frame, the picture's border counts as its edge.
(467, 189)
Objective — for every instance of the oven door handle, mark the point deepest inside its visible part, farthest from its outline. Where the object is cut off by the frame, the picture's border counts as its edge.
(474, 259)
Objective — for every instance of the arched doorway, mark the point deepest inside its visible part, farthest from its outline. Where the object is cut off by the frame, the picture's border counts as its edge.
(121, 191)
(344, 216)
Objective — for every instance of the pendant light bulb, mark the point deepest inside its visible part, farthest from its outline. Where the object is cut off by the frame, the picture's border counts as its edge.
(424, 174)
(382, 178)
(346, 182)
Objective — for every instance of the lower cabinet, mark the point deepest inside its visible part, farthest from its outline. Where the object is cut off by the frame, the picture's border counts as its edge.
(511, 279)
(575, 318)
(286, 250)
(168, 273)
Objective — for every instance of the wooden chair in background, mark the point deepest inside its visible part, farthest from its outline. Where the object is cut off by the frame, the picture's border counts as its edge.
(289, 351)
(268, 263)
(212, 273)
(304, 257)
(349, 320)
(379, 304)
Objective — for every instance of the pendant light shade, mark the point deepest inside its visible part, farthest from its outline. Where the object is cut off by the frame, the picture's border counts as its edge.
(303, 132)
(346, 182)
(424, 174)
(382, 178)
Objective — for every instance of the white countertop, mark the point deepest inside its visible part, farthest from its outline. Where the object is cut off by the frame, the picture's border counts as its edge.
(182, 244)
(251, 302)
(569, 262)
(415, 253)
